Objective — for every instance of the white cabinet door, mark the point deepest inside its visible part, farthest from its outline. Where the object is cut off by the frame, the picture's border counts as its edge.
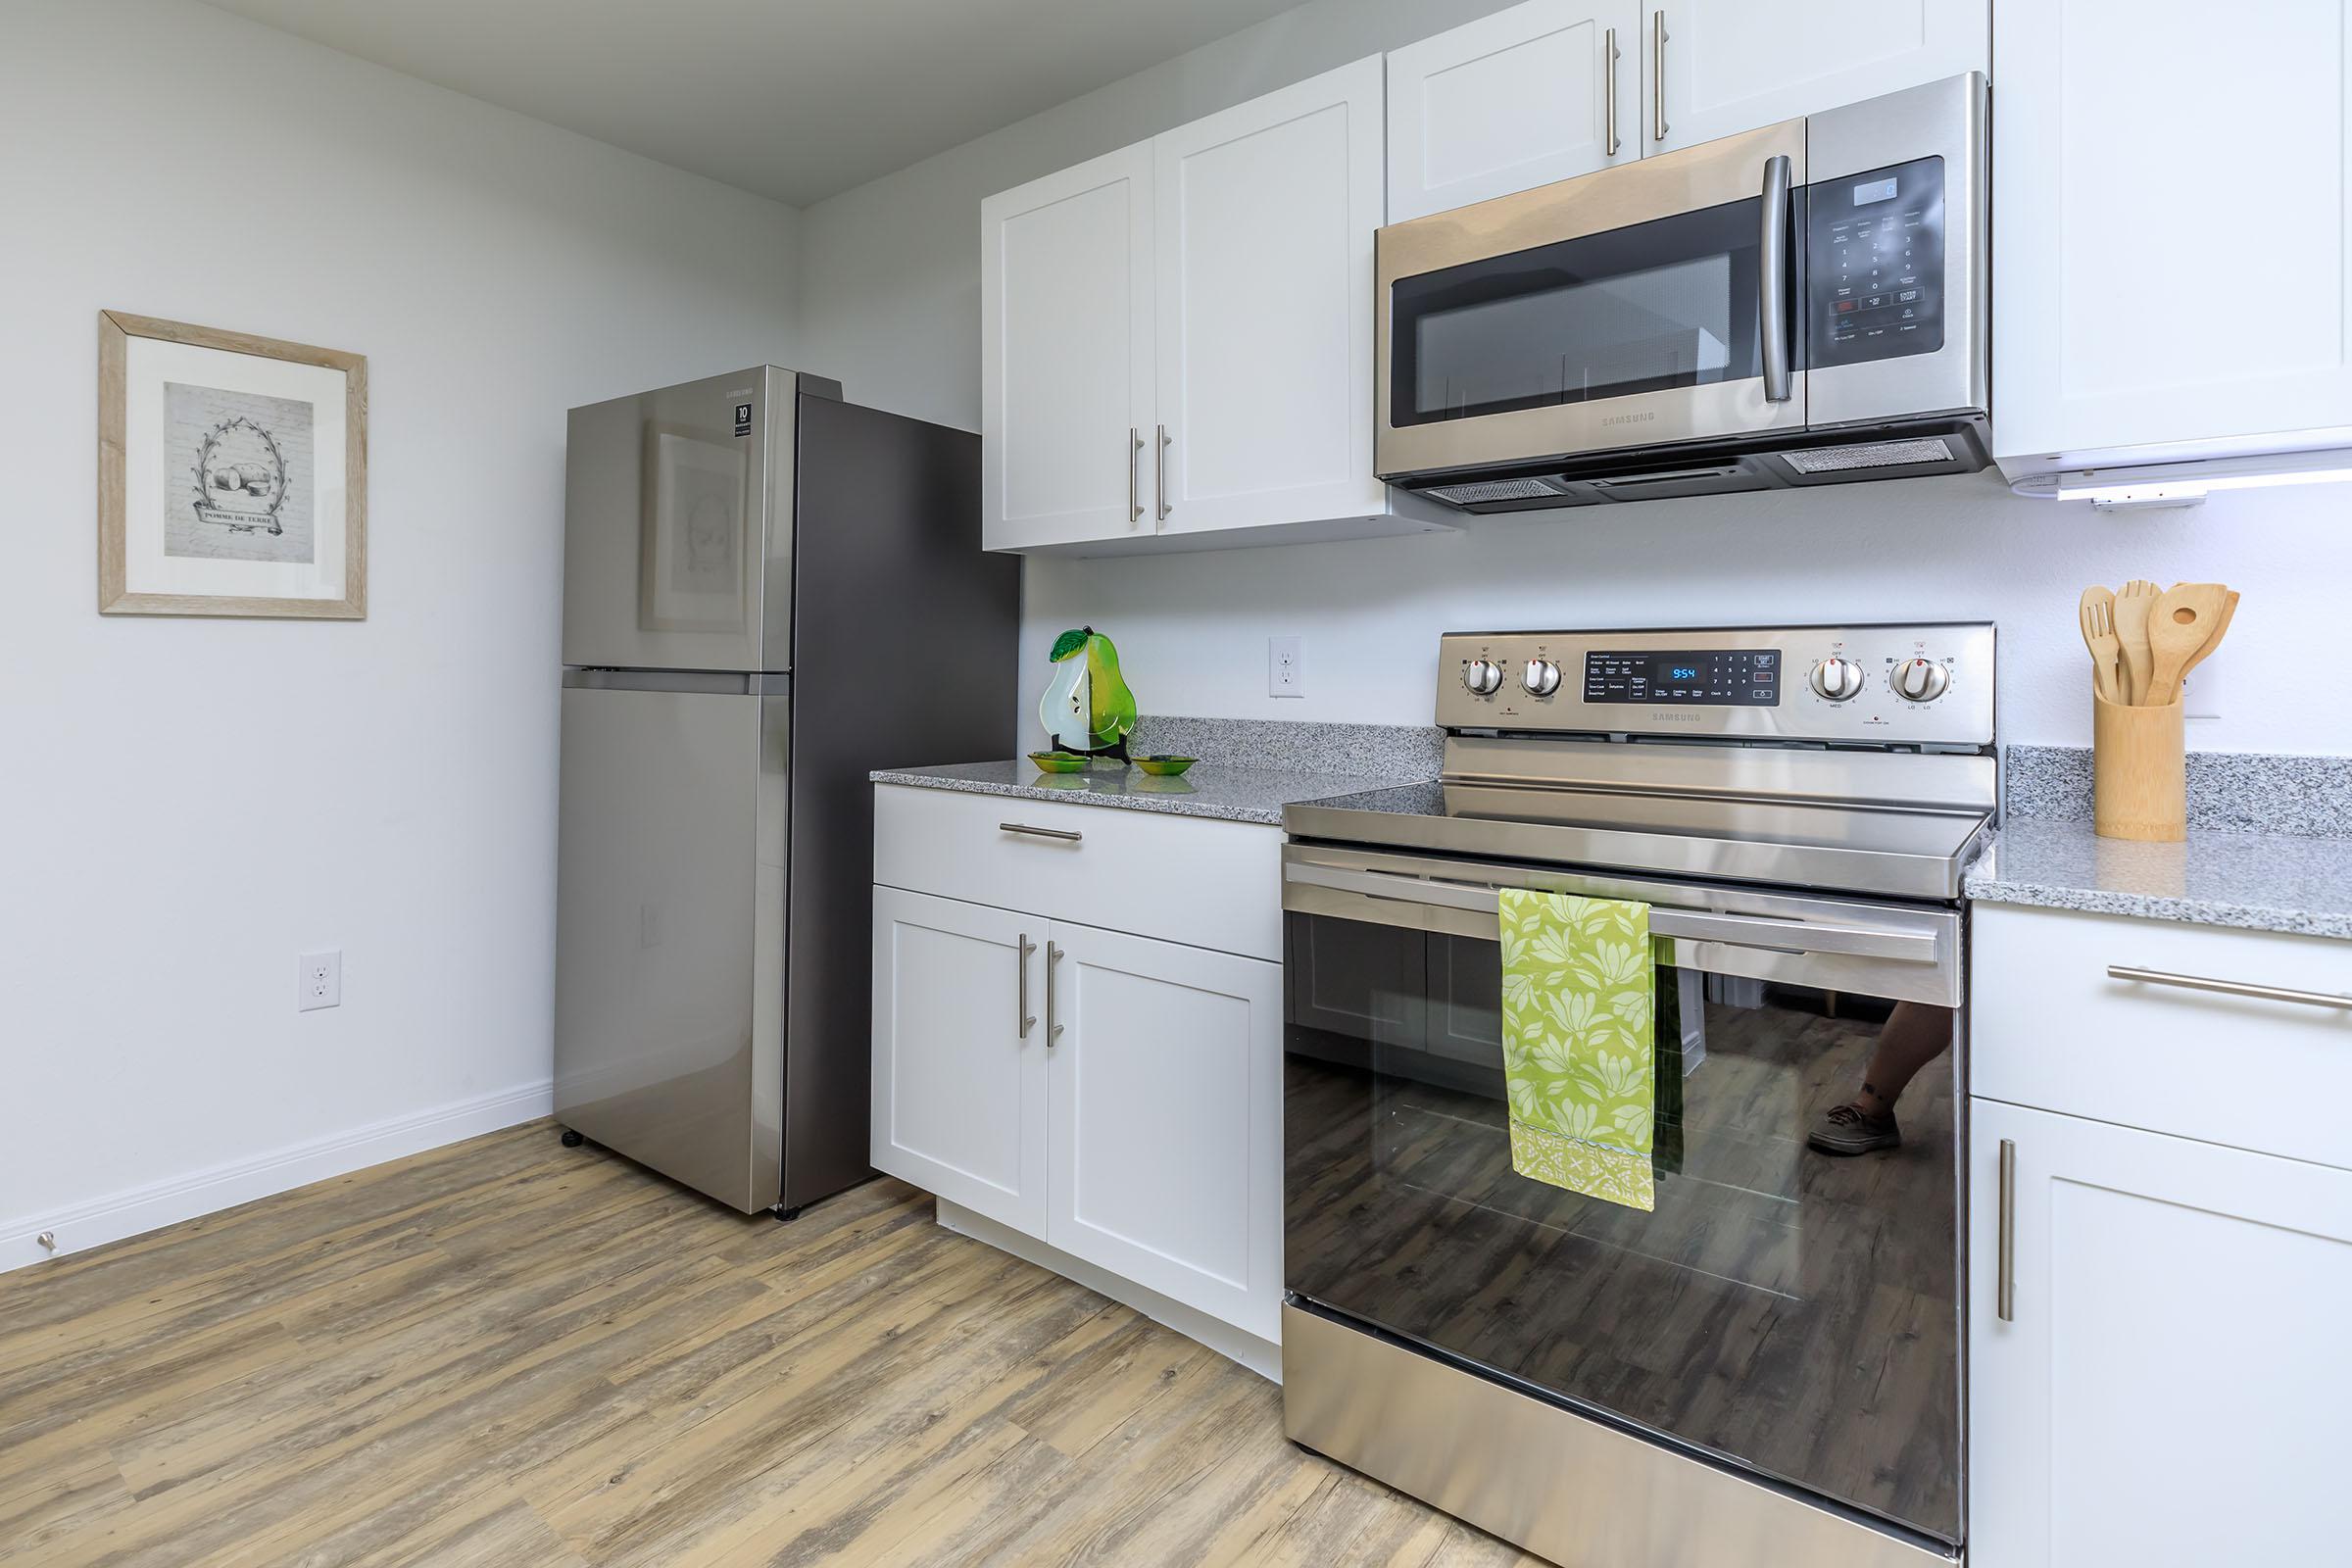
(2128, 310)
(959, 1066)
(1512, 101)
(1714, 66)
(1264, 270)
(2171, 1389)
(1065, 355)
(1166, 1094)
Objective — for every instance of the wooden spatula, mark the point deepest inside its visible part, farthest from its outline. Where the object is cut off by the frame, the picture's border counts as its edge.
(2099, 635)
(2134, 603)
(2184, 619)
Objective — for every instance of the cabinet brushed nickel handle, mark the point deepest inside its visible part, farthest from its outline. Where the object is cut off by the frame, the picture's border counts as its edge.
(1608, 86)
(1028, 1021)
(1657, 73)
(1135, 502)
(1062, 833)
(2231, 988)
(2004, 1288)
(1159, 473)
(1772, 279)
(1052, 1026)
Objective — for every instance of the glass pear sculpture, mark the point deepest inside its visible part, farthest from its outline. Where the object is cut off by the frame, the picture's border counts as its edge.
(1089, 707)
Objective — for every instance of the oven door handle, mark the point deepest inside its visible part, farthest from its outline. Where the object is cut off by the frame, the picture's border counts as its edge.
(1693, 925)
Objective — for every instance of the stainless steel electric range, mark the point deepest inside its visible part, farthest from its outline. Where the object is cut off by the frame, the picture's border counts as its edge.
(1766, 1370)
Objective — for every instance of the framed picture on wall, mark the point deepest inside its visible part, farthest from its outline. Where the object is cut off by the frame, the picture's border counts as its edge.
(693, 575)
(233, 473)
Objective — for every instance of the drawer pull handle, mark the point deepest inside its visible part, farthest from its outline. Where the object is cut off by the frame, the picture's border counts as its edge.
(1023, 828)
(2004, 1288)
(2231, 988)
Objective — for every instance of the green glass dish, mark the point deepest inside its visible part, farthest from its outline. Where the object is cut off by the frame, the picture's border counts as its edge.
(1059, 762)
(1163, 765)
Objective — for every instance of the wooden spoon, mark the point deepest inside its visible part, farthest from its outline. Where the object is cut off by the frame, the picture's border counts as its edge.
(2220, 629)
(2184, 620)
(2097, 612)
(2135, 601)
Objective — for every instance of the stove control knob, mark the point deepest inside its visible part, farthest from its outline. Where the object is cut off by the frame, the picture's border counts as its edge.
(1541, 677)
(1920, 680)
(1837, 678)
(1482, 676)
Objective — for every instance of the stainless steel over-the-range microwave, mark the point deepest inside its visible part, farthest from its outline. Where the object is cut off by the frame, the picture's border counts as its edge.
(1801, 304)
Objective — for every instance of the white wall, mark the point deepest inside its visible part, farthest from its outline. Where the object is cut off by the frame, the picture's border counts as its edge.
(186, 804)
(889, 297)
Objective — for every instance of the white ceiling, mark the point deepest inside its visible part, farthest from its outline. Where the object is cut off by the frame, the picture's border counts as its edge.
(793, 99)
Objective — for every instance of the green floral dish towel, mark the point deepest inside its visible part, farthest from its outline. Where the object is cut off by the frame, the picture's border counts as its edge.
(1578, 1043)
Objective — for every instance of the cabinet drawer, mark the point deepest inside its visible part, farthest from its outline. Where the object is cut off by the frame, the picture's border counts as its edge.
(1182, 879)
(2053, 1029)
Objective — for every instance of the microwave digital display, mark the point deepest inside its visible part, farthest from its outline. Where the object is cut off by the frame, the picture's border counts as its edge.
(1739, 677)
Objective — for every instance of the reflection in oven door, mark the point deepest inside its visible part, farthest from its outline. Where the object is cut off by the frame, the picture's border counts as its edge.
(1783, 1312)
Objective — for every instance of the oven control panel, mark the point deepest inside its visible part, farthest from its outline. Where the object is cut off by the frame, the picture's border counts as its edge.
(1926, 684)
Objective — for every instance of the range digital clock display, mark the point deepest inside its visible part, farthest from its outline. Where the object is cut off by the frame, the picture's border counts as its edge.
(1738, 677)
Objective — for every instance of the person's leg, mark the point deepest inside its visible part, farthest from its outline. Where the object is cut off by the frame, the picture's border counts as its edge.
(1914, 1035)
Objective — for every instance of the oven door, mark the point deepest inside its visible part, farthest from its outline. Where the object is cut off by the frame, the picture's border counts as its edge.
(1788, 1314)
(1639, 306)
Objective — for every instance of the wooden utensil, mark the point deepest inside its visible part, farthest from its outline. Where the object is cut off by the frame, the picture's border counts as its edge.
(2097, 612)
(2220, 629)
(2184, 620)
(2134, 602)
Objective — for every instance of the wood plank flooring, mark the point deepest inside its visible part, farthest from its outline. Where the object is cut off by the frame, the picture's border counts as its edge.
(506, 1352)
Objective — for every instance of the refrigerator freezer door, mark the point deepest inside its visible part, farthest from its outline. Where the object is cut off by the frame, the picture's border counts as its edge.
(670, 943)
(677, 552)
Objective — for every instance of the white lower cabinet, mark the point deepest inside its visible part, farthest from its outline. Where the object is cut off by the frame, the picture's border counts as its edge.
(2168, 1387)
(960, 1061)
(1165, 1105)
(1115, 1095)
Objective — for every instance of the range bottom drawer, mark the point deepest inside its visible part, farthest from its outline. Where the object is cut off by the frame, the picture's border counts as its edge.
(1194, 880)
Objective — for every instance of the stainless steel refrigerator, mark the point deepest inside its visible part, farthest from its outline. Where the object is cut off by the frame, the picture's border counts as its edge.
(767, 592)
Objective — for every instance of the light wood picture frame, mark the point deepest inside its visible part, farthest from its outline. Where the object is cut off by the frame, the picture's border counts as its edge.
(233, 473)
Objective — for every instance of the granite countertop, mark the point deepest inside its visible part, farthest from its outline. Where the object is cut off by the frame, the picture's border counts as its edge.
(1222, 791)
(2260, 881)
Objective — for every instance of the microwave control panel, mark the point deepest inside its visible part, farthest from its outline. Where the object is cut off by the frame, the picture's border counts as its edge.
(1875, 258)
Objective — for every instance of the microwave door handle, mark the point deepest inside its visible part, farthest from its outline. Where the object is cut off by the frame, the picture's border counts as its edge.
(1772, 279)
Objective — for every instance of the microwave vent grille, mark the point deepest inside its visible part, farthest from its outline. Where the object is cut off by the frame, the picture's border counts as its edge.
(1868, 454)
(1477, 491)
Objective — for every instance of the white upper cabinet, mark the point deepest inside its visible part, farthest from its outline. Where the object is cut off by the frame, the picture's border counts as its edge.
(1711, 68)
(1066, 347)
(2164, 167)
(1546, 90)
(1266, 217)
(1551, 89)
(1210, 291)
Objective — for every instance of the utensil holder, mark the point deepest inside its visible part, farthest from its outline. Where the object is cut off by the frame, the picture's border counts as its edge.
(2140, 772)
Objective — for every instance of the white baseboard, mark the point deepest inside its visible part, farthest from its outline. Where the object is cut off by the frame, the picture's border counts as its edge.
(1261, 1357)
(208, 1192)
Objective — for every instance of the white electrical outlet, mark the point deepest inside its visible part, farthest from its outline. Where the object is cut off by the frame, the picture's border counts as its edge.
(321, 981)
(2201, 689)
(1286, 667)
